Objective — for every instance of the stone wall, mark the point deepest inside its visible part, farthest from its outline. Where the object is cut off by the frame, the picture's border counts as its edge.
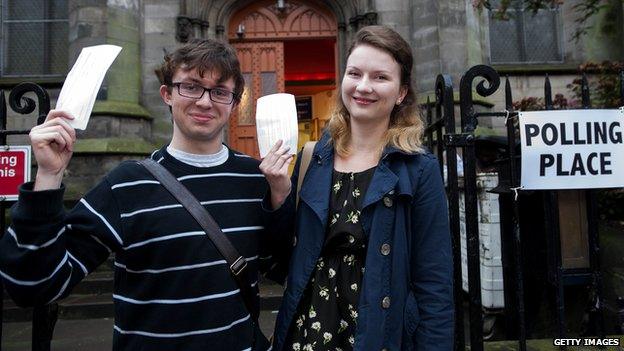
(158, 37)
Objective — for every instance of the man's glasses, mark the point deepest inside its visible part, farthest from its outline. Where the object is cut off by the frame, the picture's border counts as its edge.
(194, 91)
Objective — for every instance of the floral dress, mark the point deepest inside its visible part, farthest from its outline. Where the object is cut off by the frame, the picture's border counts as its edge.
(327, 314)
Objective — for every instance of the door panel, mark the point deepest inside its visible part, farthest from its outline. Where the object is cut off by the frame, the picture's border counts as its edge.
(262, 65)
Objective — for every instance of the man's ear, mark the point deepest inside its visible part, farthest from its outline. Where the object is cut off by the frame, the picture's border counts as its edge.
(165, 94)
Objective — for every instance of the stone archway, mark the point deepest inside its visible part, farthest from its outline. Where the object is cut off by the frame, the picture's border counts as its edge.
(260, 33)
(261, 50)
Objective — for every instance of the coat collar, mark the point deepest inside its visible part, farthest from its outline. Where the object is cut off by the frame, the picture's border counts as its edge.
(392, 174)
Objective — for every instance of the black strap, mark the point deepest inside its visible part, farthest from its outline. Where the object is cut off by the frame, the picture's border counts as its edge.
(235, 261)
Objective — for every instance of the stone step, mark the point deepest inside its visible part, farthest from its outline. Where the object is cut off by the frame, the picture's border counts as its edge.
(90, 305)
(72, 307)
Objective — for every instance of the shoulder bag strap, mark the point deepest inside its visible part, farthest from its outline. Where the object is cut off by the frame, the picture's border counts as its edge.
(235, 261)
(306, 157)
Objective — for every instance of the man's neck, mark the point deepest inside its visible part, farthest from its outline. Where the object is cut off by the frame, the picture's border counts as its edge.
(198, 148)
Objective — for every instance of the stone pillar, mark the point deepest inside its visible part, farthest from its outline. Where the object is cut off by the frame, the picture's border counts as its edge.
(119, 127)
(393, 15)
(439, 40)
(159, 37)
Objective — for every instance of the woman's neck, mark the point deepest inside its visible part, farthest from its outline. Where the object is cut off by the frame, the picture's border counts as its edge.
(368, 137)
(365, 147)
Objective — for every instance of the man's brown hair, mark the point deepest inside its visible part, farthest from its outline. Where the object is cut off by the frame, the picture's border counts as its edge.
(205, 55)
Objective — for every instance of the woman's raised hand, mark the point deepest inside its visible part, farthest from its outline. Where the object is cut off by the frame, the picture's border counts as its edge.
(52, 144)
(274, 166)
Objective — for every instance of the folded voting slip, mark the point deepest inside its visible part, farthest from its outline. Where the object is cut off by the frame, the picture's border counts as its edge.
(276, 118)
(83, 82)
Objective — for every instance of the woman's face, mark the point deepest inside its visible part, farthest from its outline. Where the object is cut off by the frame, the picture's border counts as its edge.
(371, 86)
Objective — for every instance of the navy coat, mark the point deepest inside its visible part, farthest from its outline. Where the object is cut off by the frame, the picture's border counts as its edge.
(406, 301)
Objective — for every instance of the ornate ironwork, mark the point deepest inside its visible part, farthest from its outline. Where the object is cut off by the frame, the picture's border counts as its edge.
(466, 103)
(44, 317)
(25, 105)
(469, 124)
(445, 106)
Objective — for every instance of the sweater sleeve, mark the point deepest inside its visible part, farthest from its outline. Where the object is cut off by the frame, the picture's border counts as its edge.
(47, 251)
(432, 262)
(280, 231)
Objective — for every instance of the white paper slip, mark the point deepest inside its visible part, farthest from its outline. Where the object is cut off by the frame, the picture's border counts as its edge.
(276, 118)
(83, 82)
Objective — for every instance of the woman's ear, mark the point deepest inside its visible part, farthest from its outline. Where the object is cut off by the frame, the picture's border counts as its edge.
(402, 94)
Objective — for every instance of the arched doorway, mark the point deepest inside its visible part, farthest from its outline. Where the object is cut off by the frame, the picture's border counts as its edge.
(284, 46)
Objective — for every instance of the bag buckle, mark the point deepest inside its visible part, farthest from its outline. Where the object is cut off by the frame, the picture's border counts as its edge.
(238, 265)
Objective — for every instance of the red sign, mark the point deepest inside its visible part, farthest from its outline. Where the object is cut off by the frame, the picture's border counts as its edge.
(14, 170)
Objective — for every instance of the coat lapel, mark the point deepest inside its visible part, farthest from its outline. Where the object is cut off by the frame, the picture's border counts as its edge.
(316, 186)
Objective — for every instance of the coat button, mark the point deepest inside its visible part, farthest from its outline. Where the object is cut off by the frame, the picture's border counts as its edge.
(385, 249)
(385, 303)
(387, 201)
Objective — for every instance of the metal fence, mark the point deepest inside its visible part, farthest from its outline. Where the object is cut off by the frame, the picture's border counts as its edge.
(440, 137)
(44, 317)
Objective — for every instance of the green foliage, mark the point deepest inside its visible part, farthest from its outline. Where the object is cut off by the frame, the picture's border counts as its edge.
(604, 84)
(604, 89)
(535, 104)
(611, 204)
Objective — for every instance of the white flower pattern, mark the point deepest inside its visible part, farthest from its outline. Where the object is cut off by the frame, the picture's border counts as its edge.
(327, 315)
(326, 337)
(312, 312)
(331, 273)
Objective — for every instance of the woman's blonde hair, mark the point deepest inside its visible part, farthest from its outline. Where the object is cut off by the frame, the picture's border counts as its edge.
(406, 126)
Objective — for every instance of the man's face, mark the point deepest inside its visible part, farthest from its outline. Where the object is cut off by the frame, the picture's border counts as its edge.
(197, 123)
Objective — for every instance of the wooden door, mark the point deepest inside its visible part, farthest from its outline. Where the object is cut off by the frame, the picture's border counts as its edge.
(262, 65)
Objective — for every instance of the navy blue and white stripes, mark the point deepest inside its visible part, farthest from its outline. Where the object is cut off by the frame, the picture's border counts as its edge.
(173, 289)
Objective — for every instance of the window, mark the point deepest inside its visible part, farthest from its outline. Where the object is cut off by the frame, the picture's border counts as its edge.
(34, 38)
(526, 37)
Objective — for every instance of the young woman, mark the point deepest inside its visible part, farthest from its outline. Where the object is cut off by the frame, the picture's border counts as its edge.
(372, 264)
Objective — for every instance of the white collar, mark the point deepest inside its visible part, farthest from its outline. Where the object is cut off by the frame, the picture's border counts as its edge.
(200, 160)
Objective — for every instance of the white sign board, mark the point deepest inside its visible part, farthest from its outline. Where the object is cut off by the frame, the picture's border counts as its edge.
(572, 149)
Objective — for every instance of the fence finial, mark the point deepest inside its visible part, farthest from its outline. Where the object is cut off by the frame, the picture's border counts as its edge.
(548, 101)
(585, 92)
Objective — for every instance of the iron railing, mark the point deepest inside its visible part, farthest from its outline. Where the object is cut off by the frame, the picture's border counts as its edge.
(440, 137)
(44, 317)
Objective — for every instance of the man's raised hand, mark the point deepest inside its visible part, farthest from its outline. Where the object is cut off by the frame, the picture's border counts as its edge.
(52, 144)
(274, 166)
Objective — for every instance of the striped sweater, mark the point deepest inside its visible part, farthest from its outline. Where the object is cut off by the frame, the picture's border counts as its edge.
(172, 288)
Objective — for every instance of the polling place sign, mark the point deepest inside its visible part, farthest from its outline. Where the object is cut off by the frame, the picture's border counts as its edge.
(572, 149)
(14, 170)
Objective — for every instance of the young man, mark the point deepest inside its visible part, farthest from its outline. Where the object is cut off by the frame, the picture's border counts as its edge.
(173, 290)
